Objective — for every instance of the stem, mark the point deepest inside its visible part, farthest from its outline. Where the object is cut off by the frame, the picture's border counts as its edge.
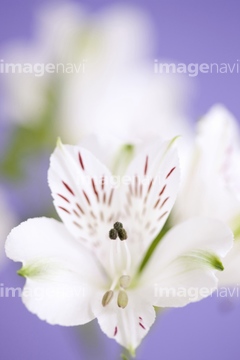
(124, 357)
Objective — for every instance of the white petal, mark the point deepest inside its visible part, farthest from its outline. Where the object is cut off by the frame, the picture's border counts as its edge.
(187, 257)
(180, 284)
(114, 152)
(151, 186)
(104, 147)
(63, 278)
(231, 274)
(128, 326)
(84, 194)
(212, 187)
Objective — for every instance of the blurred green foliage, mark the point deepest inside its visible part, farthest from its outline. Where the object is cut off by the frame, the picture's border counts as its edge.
(26, 141)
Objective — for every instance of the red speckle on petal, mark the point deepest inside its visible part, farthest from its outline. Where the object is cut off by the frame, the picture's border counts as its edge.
(77, 224)
(103, 183)
(150, 186)
(115, 331)
(62, 208)
(163, 189)
(170, 172)
(64, 198)
(146, 166)
(164, 202)
(87, 198)
(81, 161)
(68, 188)
(153, 231)
(79, 207)
(95, 190)
(160, 217)
(142, 326)
(156, 204)
(76, 213)
(104, 197)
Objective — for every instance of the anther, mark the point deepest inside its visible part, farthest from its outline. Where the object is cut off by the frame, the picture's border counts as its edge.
(107, 297)
(122, 299)
(118, 226)
(122, 234)
(113, 234)
(124, 281)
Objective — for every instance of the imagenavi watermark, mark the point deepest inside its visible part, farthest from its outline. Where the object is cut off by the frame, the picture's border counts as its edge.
(40, 69)
(43, 292)
(136, 183)
(63, 293)
(194, 69)
(192, 294)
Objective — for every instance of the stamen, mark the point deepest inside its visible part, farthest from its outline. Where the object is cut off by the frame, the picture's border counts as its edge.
(122, 234)
(113, 234)
(114, 284)
(124, 281)
(107, 297)
(119, 231)
(122, 299)
(118, 226)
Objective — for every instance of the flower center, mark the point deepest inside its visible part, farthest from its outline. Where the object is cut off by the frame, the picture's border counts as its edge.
(120, 262)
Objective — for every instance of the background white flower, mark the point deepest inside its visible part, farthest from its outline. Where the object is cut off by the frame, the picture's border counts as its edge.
(212, 185)
(118, 91)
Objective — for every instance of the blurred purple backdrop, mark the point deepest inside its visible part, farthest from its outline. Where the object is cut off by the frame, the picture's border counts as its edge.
(187, 31)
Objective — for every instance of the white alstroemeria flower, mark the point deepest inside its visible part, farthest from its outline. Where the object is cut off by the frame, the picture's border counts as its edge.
(92, 266)
(212, 186)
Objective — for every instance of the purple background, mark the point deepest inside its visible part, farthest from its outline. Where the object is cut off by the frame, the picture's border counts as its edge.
(187, 31)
